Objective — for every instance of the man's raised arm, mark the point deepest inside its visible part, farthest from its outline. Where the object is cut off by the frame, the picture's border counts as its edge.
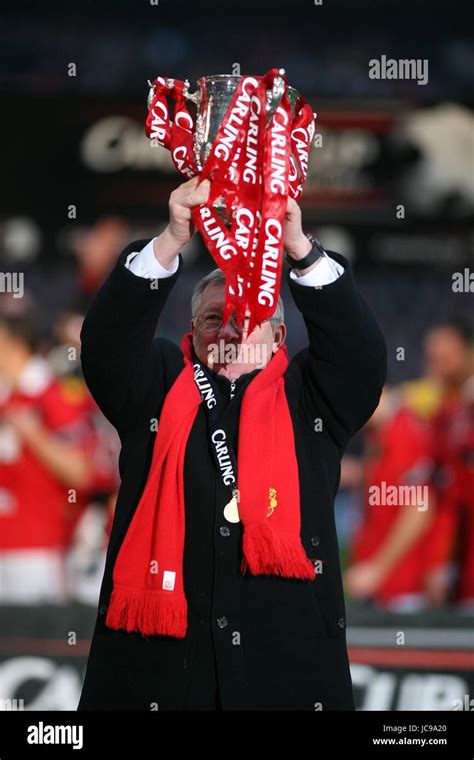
(345, 367)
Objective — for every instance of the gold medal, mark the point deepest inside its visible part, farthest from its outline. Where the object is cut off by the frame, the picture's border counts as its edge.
(231, 510)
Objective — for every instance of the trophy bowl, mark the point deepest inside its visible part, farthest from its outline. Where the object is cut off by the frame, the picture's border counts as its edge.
(212, 98)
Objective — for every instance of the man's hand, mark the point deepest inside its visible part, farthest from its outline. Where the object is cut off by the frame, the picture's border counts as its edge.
(180, 228)
(181, 202)
(363, 579)
(295, 242)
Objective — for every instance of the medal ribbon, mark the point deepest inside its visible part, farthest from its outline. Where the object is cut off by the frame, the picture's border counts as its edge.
(222, 449)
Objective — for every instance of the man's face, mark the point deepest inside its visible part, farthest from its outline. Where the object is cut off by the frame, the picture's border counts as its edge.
(228, 350)
(447, 357)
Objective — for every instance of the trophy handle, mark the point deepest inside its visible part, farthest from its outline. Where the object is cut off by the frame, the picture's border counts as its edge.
(193, 96)
(275, 95)
(151, 92)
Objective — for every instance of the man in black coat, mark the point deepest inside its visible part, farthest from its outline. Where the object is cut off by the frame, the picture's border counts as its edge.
(253, 641)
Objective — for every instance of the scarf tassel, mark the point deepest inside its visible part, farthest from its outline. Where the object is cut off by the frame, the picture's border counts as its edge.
(148, 612)
(266, 553)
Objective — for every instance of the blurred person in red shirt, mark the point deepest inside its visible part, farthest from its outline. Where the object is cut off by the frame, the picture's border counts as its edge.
(96, 253)
(388, 558)
(465, 473)
(86, 556)
(46, 470)
(449, 355)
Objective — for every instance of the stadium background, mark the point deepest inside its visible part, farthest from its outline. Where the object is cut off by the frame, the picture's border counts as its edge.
(391, 187)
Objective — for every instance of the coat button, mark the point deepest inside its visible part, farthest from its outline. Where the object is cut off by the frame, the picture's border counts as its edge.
(341, 622)
(315, 541)
(222, 622)
(224, 530)
(102, 609)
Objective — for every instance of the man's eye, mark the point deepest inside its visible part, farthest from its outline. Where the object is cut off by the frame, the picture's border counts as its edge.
(212, 319)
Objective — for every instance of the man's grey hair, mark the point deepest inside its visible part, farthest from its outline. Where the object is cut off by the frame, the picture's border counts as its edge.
(217, 277)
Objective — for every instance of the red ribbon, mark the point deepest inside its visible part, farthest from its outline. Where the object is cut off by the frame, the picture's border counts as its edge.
(254, 164)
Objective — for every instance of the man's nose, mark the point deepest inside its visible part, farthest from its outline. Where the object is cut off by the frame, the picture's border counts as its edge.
(228, 332)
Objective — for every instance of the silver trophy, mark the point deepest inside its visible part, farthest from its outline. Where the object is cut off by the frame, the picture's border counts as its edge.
(212, 99)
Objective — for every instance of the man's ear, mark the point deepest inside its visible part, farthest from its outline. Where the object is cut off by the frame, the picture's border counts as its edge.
(279, 337)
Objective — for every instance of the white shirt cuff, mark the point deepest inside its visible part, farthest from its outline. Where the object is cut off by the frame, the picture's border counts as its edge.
(326, 271)
(144, 264)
